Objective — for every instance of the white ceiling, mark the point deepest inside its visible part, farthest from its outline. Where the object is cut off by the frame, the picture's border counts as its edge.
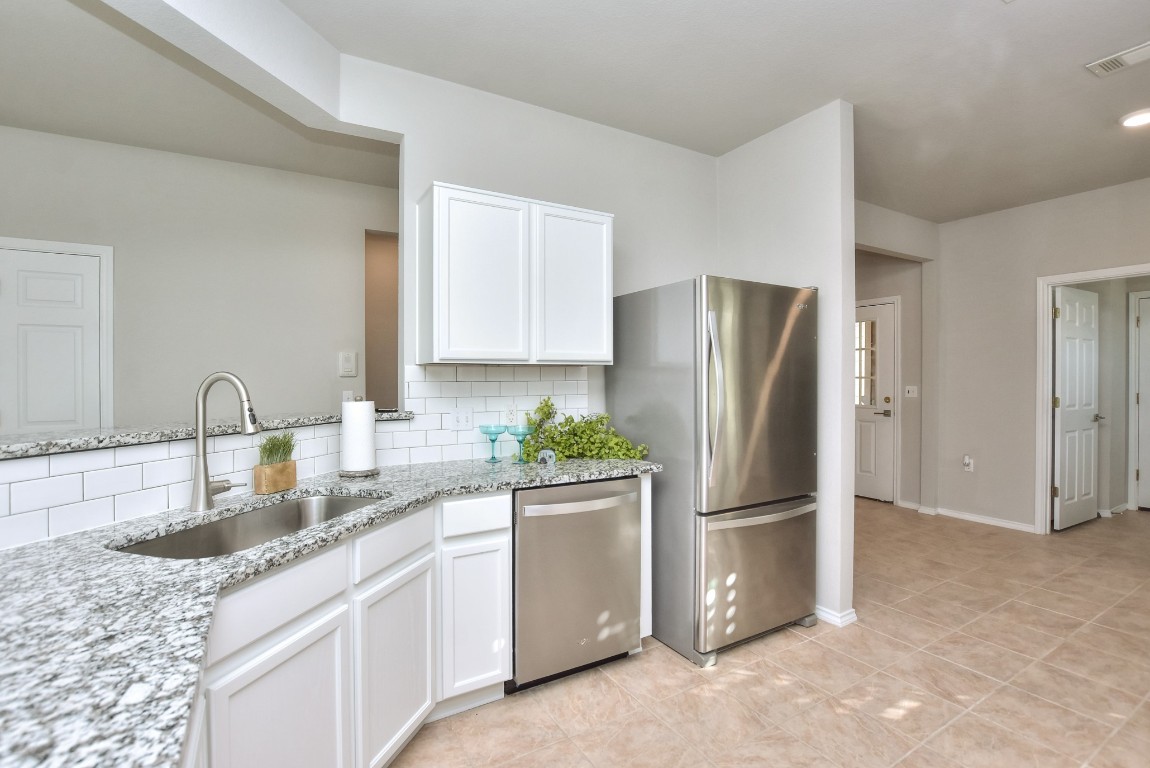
(80, 69)
(962, 107)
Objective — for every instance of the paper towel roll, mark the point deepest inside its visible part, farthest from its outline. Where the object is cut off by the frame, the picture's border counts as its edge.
(357, 437)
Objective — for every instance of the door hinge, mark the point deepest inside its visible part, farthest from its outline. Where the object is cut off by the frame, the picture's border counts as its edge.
(1056, 402)
(1138, 321)
(1137, 398)
(1054, 491)
(1137, 475)
(1057, 312)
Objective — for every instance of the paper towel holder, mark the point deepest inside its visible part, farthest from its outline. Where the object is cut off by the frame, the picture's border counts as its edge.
(360, 473)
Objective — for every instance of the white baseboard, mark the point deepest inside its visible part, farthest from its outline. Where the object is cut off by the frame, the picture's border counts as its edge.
(836, 618)
(466, 701)
(987, 520)
(906, 504)
(1114, 511)
(927, 511)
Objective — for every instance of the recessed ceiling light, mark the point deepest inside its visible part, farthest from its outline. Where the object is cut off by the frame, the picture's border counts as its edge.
(1136, 119)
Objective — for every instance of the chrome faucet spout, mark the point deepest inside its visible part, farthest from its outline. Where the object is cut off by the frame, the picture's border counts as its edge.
(202, 487)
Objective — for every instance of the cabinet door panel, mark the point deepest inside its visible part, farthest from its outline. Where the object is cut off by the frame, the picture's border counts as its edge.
(288, 706)
(476, 579)
(394, 648)
(573, 294)
(483, 259)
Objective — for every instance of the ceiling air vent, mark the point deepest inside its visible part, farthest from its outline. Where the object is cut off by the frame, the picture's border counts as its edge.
(1120, 61)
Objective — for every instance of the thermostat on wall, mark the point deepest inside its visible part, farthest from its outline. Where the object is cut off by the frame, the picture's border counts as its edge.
(348, 364)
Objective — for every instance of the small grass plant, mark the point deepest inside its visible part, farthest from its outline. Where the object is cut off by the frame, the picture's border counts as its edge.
(276, 449)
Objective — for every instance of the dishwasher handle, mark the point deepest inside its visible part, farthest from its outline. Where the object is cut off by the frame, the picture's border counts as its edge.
(574, 507)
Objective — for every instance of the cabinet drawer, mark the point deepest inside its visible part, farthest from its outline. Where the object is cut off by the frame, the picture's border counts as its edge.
(476, 515)
(253, 610)
(377, 550)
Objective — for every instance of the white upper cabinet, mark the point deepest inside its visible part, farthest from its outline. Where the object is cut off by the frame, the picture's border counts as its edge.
(508, 280)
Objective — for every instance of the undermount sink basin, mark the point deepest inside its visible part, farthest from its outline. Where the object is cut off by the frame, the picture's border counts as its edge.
(249, 529)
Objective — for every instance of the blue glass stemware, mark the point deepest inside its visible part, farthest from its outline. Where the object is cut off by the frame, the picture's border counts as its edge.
(520, 433)
(493, 431)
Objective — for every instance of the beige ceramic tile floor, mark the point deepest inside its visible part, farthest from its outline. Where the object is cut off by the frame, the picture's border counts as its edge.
(975, 646)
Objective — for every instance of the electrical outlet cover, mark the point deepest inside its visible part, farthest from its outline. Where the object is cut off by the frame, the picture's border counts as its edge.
(510, 417)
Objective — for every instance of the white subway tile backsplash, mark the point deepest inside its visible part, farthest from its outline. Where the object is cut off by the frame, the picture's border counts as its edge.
(485, 389)
(303, 433)
(566, 388)
(425, 455)
(220, 463)
(179, 448)
(429, 421)
(526, 372)
(442, 436)
(512, 388)
(15, 470)
(416, 405)
(157, 473)
(109, 482)
(440, 372)
(387, 458)
(332, 445)
(500, 404)
(471, 403)
(139, 503)
(583, 387)
(414, 373)
(440, 405)
(4, 508)
(471, 373)
(23, 529)
(384, 440)
(30, 495)
(179, 495)
(77, 517)
(305, 468)
(482, 451)
(578, 372)
(390, 426)
(309, 449)
(552, 373)
(424, 388)
(500, 373)
(457, 452)
(234, 442)
(329, 462)
(81, 461)
(138, 454)
(327, 430)
(241, 460)
(410, 439)
(540, 388)
(455, 389)
(576, 401)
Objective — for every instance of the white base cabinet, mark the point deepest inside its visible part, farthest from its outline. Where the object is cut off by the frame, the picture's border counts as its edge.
(503, 279)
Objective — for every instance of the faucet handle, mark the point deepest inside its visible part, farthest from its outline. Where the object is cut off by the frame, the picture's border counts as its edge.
(220, 486)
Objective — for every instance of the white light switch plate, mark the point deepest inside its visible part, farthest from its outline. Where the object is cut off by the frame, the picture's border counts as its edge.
(911, 391)
(458, 418)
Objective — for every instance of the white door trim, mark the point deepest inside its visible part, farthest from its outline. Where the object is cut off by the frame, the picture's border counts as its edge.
(104, 253)
(1131, 390)
(897, 301)
(1044, 444)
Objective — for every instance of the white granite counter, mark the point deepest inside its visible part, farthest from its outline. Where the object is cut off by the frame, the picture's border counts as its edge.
(101, 651)
(19, 446)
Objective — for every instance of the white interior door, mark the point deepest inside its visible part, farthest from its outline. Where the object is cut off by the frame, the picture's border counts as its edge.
(1076, 407)
(49, 341)
(874, 385)
(1143, 409)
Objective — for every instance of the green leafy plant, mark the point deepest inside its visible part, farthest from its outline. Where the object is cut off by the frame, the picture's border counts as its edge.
(276, 449)
(588, 437)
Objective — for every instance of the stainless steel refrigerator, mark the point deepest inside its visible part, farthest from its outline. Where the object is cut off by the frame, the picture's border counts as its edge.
(719, 377)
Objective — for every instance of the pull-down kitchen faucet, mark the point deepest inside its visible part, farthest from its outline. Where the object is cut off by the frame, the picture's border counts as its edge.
(204, 489)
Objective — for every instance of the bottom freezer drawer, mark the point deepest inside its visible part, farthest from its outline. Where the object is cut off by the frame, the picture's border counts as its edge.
(757, 571)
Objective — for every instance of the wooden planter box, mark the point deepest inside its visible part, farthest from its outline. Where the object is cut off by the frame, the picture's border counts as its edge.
(272, 478)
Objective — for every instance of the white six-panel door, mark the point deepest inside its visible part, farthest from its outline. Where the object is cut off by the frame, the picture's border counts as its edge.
(50, 355)
(875, 400)
(1076, 412)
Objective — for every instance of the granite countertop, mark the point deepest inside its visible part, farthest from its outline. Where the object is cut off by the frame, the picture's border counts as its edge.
(101, 651)
(19, 446)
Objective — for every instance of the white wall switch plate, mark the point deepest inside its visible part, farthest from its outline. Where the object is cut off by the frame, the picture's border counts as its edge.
(459, 418)
(967, 464)
(911, 391)
(348, 364)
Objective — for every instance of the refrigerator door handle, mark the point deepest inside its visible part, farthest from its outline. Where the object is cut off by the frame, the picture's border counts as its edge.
(778, 517)
(575, 507)
(720, 385)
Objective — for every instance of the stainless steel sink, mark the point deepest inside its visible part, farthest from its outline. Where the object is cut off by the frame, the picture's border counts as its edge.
(248, 529)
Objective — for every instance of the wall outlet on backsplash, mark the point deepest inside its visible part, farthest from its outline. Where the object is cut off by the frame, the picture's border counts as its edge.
(510, 416)
(458, 419)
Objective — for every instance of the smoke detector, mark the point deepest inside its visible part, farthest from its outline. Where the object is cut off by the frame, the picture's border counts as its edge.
(1120, 61)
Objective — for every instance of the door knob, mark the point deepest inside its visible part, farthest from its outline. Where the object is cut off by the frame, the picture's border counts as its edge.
(1098, 418)
(883, 413)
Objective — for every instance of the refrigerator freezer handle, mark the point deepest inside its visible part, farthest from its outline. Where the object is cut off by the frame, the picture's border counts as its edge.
(720, 395)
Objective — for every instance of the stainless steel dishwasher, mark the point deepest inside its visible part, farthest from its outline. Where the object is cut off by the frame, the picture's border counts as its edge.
(577, 582)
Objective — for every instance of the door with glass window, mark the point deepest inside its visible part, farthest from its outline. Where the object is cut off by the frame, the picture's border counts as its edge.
(874, 396)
